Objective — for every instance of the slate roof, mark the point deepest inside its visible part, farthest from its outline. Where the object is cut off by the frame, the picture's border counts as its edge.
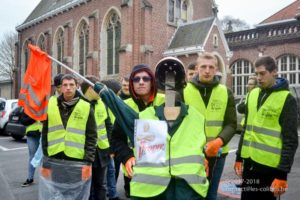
(289, 12)
(191, 34)
(46, 8)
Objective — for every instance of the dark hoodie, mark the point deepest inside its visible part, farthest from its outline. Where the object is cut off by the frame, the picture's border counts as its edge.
(230, 121)
(119, 141)
(137, 69)
(288, 123)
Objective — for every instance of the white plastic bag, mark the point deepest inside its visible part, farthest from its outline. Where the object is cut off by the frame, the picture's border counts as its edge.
(65, 181)
(150, 141)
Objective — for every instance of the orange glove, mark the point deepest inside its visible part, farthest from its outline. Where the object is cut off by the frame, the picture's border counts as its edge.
(279, 187)
(45, 172)
(86, 172)
(213, 147)
(128, 166)
(238, 168)
(206, 165)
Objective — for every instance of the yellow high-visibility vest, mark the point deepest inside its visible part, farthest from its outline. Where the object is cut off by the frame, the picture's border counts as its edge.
(262, 139)
(214, 113)
(100, 117)
(184, 159)
(71, 140)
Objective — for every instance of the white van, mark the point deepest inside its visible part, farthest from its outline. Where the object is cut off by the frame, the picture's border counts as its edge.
(6, 106)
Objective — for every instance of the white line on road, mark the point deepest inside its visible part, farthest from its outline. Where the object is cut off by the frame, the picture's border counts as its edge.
(5, 138)
(232, 151)
(13, 149)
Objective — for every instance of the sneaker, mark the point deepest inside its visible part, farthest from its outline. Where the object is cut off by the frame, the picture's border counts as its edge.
(27, 182)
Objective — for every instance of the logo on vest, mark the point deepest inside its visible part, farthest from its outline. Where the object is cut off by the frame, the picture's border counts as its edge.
(77, 116)
(270, 112)
(216, 105)
(99, 114)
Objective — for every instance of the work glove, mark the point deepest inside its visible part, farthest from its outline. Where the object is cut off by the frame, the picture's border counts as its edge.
(279, 187)
(128, 166)
(206, 165)
(238, 168)
(86, 172)
(99, 88)
(212, 147)
(45, 172)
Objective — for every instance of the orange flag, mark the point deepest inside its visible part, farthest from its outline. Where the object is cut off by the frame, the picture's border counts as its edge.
(36, 87)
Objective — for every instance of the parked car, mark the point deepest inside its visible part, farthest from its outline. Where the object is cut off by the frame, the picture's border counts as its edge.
(6, 106)
(14, 128)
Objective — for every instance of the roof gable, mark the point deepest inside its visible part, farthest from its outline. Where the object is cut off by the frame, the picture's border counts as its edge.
(289, 12)
(44, 7)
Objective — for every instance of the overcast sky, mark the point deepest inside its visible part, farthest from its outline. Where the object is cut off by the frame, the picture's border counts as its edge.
(14, 12)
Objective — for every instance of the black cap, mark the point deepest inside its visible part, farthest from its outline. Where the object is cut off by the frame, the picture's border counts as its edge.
(57, 79)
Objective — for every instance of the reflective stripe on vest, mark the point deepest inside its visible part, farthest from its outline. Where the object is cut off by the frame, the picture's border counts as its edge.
(185, 161)
(36, 126)
(262, 139)
(72, 139)
(100, 117)
(214, 112)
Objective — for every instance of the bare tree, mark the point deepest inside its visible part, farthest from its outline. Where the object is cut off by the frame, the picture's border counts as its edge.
(7, 55)
(231, 24)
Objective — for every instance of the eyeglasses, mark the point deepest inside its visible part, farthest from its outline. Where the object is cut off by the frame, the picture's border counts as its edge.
(137, 79)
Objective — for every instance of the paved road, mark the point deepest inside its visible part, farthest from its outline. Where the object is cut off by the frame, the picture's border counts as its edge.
(13, 170)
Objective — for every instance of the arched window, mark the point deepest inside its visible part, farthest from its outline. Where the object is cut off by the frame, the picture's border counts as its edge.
(113, 43)
(215, 41)
(241, 71)
(83, 47)
(179, 10)
(42, 42)
(26, 55)
(171, 11)
(60, 48)
(289, 68)
(184, 8)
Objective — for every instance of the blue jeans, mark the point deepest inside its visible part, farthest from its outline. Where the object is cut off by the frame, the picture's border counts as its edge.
(216, 166)
(33, 144)
(111, 180)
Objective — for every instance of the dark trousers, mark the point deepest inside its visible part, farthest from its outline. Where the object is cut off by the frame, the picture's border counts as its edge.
(126, 179)
(178, 189)
(256, 185)
(98, 186)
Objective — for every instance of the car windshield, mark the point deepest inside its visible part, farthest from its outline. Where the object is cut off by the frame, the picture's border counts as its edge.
(2, 105)
(14, 104)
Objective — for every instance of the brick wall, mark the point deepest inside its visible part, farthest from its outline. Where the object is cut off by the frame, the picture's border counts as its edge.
(145, 32)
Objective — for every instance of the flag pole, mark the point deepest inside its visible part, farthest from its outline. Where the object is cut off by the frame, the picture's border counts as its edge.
(74, 72)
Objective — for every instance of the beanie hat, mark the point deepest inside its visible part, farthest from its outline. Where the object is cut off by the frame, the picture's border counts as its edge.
(57, 79)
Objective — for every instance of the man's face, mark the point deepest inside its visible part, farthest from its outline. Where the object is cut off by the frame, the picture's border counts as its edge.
(190, 74)
(68, 88)
(265, 78)
(251, 85)
(125, 87)
(142, 84)
(207, 69)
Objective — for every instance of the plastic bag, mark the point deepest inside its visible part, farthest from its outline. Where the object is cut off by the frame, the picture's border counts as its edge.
(64, 181)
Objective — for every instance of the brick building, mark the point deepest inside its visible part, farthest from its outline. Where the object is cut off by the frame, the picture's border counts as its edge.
(107, 37)
(277, 36)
